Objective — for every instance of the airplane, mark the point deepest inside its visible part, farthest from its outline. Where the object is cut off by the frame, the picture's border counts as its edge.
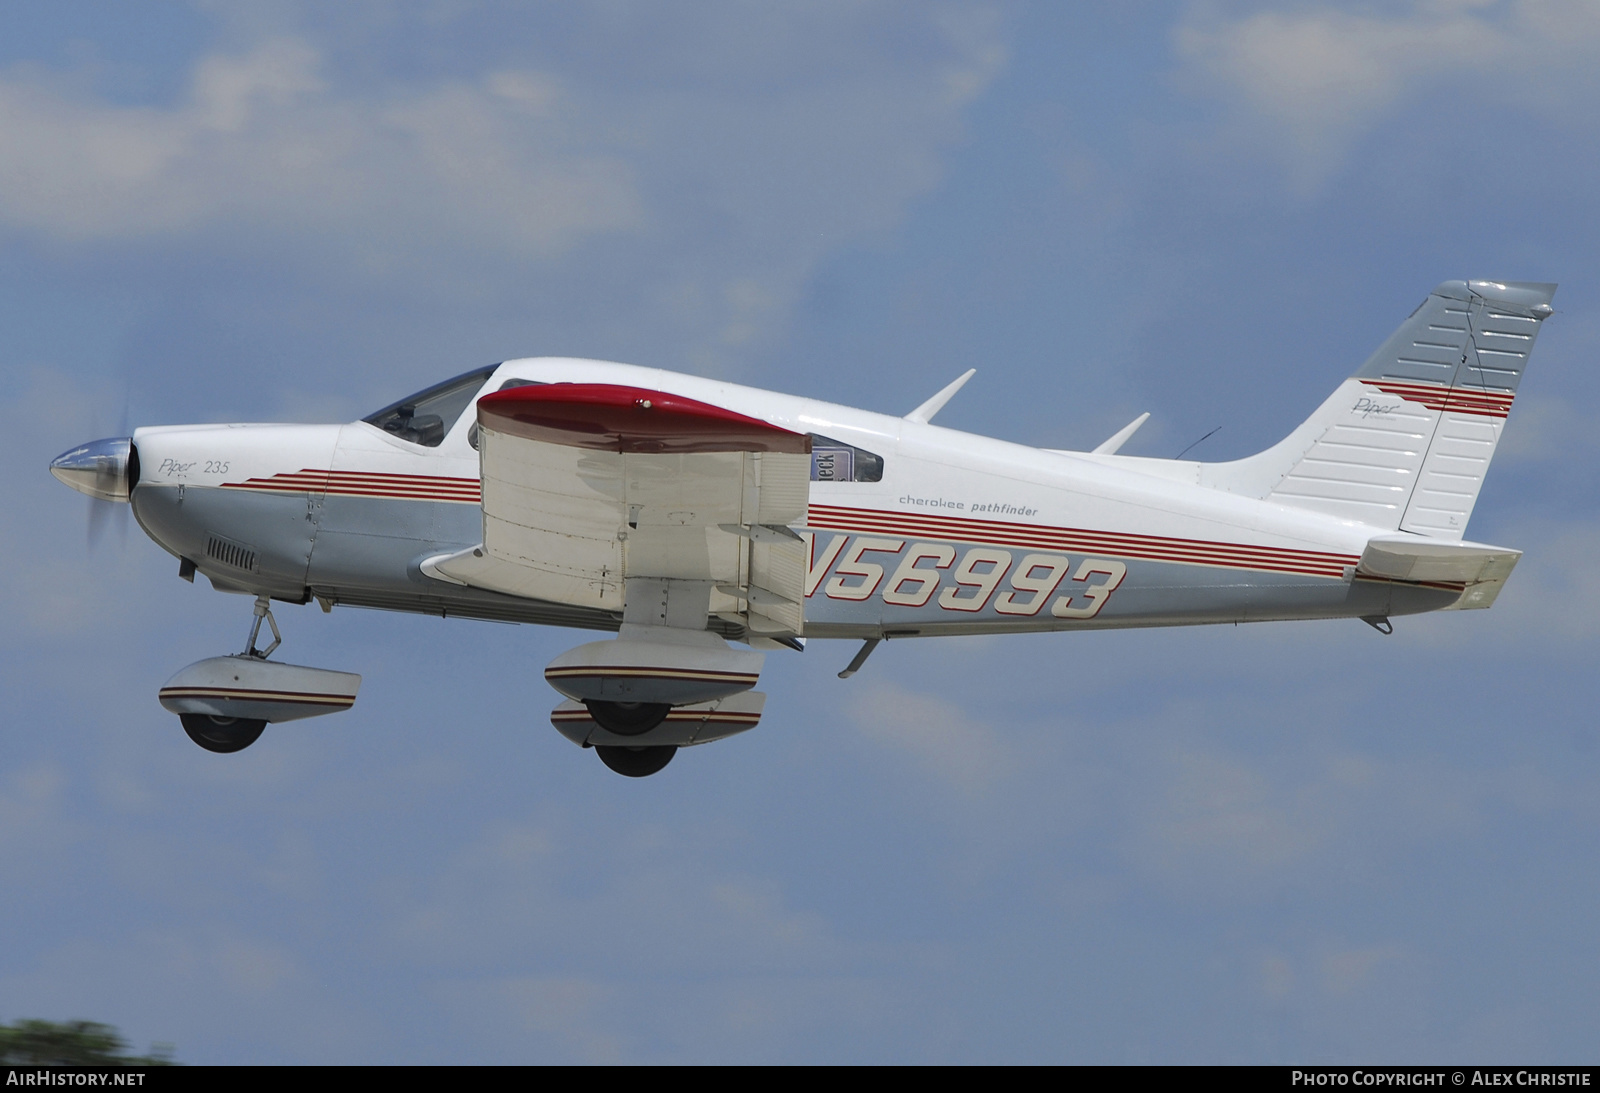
(705, 524)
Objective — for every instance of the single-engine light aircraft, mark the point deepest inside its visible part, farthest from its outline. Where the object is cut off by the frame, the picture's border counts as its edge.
(706, 524)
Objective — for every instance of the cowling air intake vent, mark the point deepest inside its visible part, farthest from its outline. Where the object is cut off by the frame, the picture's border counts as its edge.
(230, 553)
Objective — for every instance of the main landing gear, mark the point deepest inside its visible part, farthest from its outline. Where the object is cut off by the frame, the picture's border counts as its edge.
(631, 719)
(636, 762)
(627, 718)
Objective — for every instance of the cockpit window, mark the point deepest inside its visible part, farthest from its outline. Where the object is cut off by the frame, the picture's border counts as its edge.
(427, 416)
(472, 433)
(835, 461)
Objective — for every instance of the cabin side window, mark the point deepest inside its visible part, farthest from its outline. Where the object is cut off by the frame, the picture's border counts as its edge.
(426, 417)
(835, 461)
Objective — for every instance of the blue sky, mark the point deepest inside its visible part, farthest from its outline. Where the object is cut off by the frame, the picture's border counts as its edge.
(1287, 842)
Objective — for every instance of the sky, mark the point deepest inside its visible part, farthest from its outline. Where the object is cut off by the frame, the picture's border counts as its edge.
(1286, 842)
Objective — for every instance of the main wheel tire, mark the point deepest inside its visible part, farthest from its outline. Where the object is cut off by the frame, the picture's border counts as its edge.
(222, 734)
(636, 762)
(627, 718)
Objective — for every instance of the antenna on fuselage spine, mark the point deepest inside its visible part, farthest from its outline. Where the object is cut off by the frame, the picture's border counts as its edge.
(1116, 440)
(1197, 443)
(924, 413)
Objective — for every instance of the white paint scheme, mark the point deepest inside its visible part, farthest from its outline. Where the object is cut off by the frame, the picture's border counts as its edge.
(1066, 488)
(1134, 495)
(211, 455)
(1359, 512)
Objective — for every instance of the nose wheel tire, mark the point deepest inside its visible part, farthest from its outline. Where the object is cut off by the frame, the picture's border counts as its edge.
(224, 734)
(636, 762)
(628, 718)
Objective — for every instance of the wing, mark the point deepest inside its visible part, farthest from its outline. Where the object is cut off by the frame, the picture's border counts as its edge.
(586, 486)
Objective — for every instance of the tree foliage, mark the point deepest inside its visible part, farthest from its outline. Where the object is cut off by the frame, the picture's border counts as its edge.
(72, 1043)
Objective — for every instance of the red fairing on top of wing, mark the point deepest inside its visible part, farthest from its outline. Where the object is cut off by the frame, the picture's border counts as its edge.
(611, 418)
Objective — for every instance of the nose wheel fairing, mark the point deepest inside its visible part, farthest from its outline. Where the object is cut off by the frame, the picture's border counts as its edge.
(226, 702)
(251, 689)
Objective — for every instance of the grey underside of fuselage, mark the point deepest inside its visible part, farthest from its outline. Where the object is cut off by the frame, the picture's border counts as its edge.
(1152, 594)
(367, 552)
(350, 551)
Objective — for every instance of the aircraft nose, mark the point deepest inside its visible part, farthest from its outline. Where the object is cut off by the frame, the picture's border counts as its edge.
(107, 469)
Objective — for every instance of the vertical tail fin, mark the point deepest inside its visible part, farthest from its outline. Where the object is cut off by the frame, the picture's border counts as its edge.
(1404, 443)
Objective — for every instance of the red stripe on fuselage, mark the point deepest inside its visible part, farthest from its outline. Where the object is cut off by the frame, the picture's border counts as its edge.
(1082, 541)
(873, 521)
(403, 487)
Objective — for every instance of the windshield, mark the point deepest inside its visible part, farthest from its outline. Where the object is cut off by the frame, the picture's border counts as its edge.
(425, 417)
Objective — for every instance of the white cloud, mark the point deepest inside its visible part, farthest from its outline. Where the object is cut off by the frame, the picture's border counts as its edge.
(715, 185)
(221, 985)
(939, 736)
(34, 821)
(1321, 74)
(517, 872)
(1555, 590)
(1217, 825)
(1350, 970)
(569, 1010)
(264, 142)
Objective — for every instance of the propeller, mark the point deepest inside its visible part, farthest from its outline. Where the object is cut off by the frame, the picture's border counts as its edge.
(102, 512)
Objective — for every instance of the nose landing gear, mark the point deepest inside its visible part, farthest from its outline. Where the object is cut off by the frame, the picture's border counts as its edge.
(222, 734)
(225, 703)
(263, 611)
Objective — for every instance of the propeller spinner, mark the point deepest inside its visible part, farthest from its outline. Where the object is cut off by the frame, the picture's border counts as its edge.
(106, 470)
(103, 469)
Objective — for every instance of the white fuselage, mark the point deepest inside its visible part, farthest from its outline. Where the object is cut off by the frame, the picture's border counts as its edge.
(959, 534)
